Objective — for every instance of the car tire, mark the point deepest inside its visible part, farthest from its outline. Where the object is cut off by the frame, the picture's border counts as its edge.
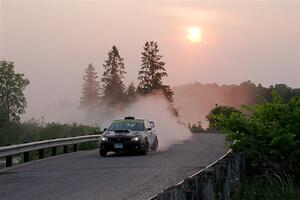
(144, 152)
(155, 145)
(102, 153)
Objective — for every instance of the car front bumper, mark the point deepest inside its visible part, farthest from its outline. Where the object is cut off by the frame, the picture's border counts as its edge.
(126, 146)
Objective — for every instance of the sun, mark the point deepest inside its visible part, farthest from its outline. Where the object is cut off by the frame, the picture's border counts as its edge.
(194, 34)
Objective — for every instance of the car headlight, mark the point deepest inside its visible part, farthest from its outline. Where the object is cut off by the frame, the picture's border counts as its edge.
(136, 138)
(104, 139)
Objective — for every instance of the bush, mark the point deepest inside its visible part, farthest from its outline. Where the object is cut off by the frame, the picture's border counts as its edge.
(196, 128)
(259, 191)
(269, 137)
(225, 111)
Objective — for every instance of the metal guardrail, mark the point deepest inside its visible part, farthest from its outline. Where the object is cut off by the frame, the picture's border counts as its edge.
(9, 151)
(216, 180)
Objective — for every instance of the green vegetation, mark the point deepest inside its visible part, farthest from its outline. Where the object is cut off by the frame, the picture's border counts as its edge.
(17, 133)
(260, 191)
(269, 137)
(225, 111)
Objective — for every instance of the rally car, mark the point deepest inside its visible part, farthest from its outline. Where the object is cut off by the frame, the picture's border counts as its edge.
(129, 135)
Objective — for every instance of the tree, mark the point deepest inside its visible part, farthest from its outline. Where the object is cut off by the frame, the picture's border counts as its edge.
(152, 72)
(225, 111)
(12, 98)
(113, 75)
(131, 93)
(284, 91)
(91, 89)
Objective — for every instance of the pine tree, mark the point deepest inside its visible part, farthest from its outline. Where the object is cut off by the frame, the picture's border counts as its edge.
(112, 81)
(131, 93)
(91, 89)
(152, 72)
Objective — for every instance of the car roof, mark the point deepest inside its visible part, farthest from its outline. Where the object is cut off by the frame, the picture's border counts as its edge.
(130, 120)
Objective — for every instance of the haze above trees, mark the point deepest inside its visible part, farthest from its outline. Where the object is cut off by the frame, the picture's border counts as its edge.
(196, 100)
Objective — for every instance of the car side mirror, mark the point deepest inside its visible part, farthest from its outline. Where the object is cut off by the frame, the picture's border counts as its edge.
(152, 124)
(105, 129)
(149, 129)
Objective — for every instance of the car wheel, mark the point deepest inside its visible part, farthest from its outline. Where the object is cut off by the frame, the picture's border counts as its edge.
(102, 153)
(144, 152)
(155, 145)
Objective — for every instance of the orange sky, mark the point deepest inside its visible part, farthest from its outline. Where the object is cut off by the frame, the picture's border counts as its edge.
(52, 42)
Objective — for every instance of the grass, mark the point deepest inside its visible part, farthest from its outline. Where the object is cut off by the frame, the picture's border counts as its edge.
(260, 191)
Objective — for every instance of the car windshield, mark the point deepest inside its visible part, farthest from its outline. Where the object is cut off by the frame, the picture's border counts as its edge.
(136, 125)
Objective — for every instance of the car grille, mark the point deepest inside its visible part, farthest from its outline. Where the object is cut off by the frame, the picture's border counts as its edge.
(119, 139)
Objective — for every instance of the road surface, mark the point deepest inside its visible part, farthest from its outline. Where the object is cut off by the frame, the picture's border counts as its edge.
(85, 175)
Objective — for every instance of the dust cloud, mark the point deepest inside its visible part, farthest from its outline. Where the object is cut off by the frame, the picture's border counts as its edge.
(152, 107)
(155, 108)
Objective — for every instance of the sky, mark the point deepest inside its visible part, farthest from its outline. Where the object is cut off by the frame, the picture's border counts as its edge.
(52, 42)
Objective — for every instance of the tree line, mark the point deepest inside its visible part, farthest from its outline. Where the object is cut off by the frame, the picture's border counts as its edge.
(205, 97)
(246, 92)
(111, 91)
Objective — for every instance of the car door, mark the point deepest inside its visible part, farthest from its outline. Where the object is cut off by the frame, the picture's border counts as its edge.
(154, 134)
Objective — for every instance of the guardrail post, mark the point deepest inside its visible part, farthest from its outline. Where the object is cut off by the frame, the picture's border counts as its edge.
(65, 149)
(9, 161)
(41, 153)
(26, 156)
(53, 151)
(75, 147)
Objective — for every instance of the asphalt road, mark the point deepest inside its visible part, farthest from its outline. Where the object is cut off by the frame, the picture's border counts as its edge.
(84, 175)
